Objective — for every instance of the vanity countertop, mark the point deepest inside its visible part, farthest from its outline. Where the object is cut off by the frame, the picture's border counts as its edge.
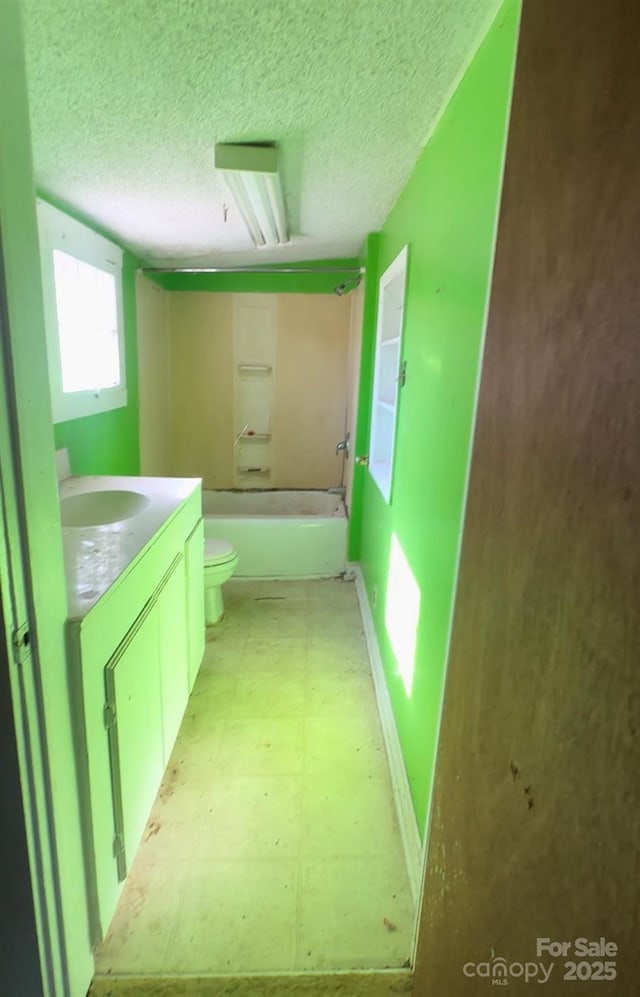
(96, 556)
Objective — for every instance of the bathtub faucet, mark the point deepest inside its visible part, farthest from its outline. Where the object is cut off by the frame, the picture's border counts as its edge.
(343, 445)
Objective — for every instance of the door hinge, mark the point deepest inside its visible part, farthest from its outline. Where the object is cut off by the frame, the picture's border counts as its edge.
(118, 854)
(402, 373)
(21, 644)
(364, 460)
(109, 715)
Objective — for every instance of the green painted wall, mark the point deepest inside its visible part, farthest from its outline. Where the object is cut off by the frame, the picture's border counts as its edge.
(275, 283)
(108, 443)
(447, 214)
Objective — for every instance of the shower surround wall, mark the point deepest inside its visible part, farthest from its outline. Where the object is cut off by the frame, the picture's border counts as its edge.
(194, 336)
(255, 355)
(153, 388)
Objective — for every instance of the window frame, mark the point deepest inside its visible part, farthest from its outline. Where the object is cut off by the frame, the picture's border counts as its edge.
(57, 230)
(388, 352)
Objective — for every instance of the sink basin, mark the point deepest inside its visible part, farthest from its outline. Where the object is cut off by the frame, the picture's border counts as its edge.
(100, 508)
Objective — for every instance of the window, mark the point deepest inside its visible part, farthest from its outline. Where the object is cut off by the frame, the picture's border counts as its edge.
(388, 373)
(82, 285)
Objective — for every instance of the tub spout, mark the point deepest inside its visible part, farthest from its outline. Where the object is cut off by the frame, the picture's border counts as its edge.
(343, 445)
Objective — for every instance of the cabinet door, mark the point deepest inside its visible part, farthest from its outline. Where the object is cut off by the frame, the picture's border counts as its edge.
(135, 733)
(194, 556)
(173, 653)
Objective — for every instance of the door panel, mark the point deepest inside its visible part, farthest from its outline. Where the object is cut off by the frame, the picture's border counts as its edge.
(173, 653)
(194, 558)
(353, 373)
(136, 742)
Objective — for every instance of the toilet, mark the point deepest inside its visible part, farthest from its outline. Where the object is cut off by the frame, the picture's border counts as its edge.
(220, 561)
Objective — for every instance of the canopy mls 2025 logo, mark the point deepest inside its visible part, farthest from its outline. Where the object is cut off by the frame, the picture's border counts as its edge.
(578, 960)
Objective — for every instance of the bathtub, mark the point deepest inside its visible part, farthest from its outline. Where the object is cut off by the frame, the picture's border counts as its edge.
(280, 534)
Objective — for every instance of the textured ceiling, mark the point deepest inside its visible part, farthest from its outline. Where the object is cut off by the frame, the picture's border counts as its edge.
(129, 97)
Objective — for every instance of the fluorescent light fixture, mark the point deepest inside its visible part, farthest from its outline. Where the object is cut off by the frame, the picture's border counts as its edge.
(251, 172)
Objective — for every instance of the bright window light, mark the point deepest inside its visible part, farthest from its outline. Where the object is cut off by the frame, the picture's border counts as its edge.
(87, 311)
(402, 613)
(84, 316)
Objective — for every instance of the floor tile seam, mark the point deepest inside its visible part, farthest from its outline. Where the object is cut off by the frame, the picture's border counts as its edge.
(314, 857)
(166, 960)
(325, 629)
(351, 770)
(295, 926)
(297, 955)
(218, 755)
(204, 689)
(319, 659)
(290, 778)
(283, 608)
(278, 673)
(212, 644)
(261, 632)
(293, 645)
(287, 772)
(326, 645)
(293, 778)
(287, 670)
(267, 862)
(299, 616)
(358, 668)
(296, 937)
(212, 665)
(333, 712)
(178, 805)
(328, 668)
(338, 623)
(349, 750)
(234, 722)
(295, 636)
(293, 714)
(197, 747)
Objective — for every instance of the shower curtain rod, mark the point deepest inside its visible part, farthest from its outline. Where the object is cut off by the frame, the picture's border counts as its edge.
(265, 270)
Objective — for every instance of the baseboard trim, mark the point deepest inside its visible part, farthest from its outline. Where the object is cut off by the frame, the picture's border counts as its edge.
(365, 983)
(411, 843)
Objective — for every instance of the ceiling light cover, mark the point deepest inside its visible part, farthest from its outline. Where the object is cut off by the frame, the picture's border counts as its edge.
(251, 173)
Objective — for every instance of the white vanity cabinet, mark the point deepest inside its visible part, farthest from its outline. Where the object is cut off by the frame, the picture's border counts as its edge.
(172, 612)
(133, 722)
(146, 692)
(194, 567)
(133, 657)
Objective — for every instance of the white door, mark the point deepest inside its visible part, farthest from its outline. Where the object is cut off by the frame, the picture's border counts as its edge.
(355, 347)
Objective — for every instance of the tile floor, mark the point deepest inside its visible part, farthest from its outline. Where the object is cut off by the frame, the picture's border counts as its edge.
(273, 843)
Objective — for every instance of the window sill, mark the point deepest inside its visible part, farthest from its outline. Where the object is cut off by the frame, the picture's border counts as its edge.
(80, 404)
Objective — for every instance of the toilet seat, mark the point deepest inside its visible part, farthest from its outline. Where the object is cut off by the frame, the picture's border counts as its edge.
(218, 552)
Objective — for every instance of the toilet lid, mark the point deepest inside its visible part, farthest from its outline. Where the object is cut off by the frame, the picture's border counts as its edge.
(218, 551)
